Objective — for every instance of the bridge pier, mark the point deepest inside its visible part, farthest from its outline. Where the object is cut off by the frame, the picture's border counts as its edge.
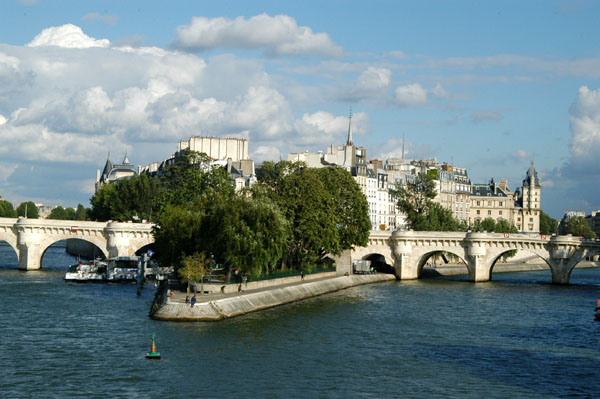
(479, 271)
(561, 271)
(405, 269)
(477, 262)
(30, 256)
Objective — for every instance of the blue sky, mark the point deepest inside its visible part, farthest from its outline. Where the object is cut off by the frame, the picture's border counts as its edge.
(489, 86)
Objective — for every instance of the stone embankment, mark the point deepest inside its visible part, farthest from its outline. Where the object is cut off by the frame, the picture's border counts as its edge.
(456, 270)
(213, 307)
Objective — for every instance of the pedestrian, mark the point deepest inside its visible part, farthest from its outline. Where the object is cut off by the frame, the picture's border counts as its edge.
(193, 300)
(187, 299)
(302, 274)
(222, 289)
(240, 288)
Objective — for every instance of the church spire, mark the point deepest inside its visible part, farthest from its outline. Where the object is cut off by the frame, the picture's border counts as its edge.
(349, 141)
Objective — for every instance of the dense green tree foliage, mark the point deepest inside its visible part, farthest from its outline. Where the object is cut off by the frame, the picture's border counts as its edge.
(415, 200)
(325, 207)
(548, 225)
(351, 209)
(437, 218)
(132, 198)
(30, 208)
(577, 226)
(194, 268)
(247, 233)
(7, 210)
(189, 177)
(492, 226)
(60, 213)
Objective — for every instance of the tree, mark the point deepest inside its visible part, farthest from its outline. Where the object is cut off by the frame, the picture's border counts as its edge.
(438, 218)
(247, 233)
(414, 199)
(29, 208)
(548, 225)
(351, 208)
(422, 214)
(177, 235)
(7, 210)
(58, 213)
(185, 181)
(578, 226)
(491, 226)
(132, 198)
(323, 206)
(194, 269)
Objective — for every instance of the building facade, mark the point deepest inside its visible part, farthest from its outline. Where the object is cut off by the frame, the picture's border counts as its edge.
(522, 208)
(114, 172)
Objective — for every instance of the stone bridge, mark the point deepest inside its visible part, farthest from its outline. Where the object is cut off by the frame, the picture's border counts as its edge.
(31, 237)
(408, 251)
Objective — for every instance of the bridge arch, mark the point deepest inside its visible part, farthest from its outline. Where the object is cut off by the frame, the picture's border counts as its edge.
(543, 259)
(10, 254)
(424, 258)
(380, 262)
(479, 250)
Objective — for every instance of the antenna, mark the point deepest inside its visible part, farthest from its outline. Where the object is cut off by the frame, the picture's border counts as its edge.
(349, 141)
(403, 146)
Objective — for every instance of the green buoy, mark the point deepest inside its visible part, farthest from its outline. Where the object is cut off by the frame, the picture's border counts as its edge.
(153, 354)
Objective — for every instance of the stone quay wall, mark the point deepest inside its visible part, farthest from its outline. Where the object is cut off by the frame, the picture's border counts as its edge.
(211, 288)
(246, 302)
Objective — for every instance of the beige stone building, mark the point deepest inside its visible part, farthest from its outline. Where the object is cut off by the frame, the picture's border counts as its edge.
(491, 200)
(522, 208)
(528, 203)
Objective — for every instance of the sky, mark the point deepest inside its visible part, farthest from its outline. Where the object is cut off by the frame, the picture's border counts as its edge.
(488, 86)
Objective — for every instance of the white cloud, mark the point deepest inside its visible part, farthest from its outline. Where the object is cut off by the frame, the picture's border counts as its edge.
(439, 92)
(8, 65)
(412, 94)
(322, 128)
(585, 127)
(69, 36)
(266, 153)
(6, 170)
(522, 155)
(279, 35)
(371, 82)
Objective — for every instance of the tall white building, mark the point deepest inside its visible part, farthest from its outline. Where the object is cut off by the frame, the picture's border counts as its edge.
(371, 178)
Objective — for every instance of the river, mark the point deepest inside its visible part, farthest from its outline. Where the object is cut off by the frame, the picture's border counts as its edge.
(515, 337)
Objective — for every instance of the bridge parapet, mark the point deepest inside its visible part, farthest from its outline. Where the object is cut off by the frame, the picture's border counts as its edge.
(31, 237)
(479, 250)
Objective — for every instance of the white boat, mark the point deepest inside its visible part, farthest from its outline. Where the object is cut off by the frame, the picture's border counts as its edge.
(122, 269)
(94, 271)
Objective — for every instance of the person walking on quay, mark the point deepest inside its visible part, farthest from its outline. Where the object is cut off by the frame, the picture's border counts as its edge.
(193, 300)
(302, 275)
(187, 299)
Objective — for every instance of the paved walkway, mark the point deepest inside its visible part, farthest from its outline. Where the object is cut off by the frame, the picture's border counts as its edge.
(179, 296)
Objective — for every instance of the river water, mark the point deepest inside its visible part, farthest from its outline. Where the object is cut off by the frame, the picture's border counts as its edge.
(515, 337)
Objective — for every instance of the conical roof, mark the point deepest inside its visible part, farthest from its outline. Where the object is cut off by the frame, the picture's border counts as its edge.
(107, 167)
(531, 177)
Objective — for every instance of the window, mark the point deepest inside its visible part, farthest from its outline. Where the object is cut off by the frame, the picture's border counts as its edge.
(531, 219)
(500, 203)
(489, 213)
(489, 203)
(478, 203)
(478, 211)
(500, 212)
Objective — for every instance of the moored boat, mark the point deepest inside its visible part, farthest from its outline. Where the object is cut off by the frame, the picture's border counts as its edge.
(94, 271)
